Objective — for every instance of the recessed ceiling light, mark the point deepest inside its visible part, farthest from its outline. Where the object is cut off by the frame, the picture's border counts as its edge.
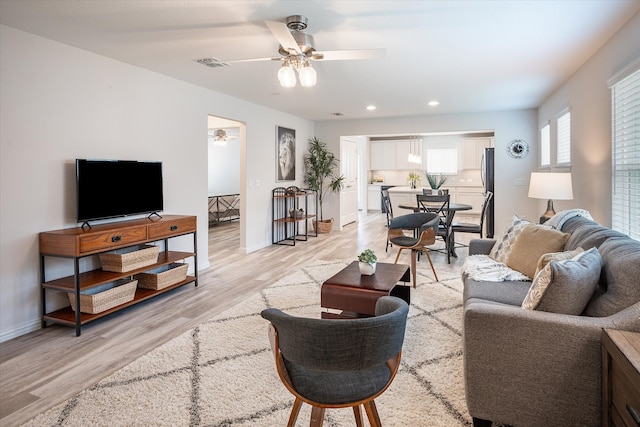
(371, 107)
(433, 103)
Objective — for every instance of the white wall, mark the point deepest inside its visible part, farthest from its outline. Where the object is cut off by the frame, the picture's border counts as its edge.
(589, 98)
(508, 125)
(59, 103)
(224, 173)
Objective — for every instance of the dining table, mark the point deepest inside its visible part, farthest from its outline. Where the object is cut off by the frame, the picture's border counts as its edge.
(451, 211)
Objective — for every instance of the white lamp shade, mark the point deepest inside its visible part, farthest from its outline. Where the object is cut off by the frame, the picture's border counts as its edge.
(551, 185)
(287, 76)
(307, 76)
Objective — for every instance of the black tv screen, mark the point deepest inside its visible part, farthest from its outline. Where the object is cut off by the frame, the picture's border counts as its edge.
(114, 188)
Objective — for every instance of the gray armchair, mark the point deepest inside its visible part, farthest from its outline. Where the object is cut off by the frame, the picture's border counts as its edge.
(338, 363)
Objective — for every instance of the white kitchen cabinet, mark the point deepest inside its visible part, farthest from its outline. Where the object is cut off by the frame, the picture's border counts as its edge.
(405, 198)
(373, 198)
(473, 196)
(473, 149)
(403, 149)
(382, 155)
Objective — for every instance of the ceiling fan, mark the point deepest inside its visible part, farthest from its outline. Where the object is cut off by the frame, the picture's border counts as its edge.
(297, 50)
(219, 137)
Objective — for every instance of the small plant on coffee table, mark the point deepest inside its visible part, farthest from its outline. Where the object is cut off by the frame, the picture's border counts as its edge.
(368, 256)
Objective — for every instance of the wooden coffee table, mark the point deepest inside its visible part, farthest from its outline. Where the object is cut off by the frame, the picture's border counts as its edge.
(350, 294)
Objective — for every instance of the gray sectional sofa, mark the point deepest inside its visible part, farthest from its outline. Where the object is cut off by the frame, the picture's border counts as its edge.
(537, 368)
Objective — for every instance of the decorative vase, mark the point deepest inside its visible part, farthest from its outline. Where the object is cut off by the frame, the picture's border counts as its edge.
(435, 191)
(367, 269)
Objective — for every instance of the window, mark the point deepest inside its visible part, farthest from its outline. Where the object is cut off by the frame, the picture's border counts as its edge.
(563, 135)
(545, 146)
(625, 151)
(442, 160)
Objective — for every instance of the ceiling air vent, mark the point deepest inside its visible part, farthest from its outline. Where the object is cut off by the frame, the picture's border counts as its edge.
(212, 62)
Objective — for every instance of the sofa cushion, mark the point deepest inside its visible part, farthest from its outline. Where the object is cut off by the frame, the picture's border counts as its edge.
(533, 242)
(565, 286)
(504, 243)
(507, 292)
(555, 256)
(620, 279)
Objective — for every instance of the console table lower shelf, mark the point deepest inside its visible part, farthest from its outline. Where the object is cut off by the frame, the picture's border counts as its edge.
(67, 316)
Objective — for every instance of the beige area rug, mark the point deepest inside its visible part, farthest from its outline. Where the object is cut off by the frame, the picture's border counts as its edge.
(222, 373)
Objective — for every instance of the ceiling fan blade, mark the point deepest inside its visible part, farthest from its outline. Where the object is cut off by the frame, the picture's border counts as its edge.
(341, 55)
(282, 33)
(272, 58)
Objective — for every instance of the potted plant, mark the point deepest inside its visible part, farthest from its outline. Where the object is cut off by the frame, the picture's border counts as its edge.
(320, 175)
(435, 182)
(414, 179)
(367, 261)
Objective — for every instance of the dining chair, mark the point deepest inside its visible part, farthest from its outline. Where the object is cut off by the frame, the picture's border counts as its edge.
(330, 363)
(425, 223)
(389, 211)
(440, 205)
(467, 227)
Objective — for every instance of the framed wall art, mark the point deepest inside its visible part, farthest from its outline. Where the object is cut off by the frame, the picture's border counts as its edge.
(285, 154)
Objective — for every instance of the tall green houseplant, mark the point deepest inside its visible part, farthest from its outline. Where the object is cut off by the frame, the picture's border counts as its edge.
(320, 171)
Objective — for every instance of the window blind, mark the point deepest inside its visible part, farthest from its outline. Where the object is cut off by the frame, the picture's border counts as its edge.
(564, 138)
(545, 146)
(625, 154)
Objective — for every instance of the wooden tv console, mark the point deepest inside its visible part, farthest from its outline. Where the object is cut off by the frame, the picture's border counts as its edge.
(77, 243)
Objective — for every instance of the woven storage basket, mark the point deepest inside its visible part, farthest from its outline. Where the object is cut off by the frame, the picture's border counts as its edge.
(116, 293)
(161, 277)
(128, 259)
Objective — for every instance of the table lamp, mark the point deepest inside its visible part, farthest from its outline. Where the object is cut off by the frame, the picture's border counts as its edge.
(550, 185)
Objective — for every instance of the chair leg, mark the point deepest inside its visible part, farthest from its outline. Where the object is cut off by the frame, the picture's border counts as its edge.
(358, 415)
(372, 414)
(398, 256)
(431, 264)
(295, 410)
(317, 416)
(414, 254)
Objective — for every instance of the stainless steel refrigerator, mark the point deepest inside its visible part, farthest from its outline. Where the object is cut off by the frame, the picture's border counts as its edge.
(487, 169)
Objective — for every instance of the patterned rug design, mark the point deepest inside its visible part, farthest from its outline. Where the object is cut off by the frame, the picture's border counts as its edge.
(222, 372)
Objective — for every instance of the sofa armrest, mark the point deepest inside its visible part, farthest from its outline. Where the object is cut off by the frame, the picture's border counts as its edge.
(527, 367)
(481, 246)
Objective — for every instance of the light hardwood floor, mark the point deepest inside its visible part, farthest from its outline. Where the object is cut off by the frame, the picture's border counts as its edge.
(43, 368)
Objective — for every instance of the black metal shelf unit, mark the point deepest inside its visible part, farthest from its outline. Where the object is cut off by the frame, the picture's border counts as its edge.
(291, 215)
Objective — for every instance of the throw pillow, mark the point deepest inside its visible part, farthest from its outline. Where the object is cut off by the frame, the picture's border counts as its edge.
(565, 286)
(555, 256)
(533, 242)
(504, 243)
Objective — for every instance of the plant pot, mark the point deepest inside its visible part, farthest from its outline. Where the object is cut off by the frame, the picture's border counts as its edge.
(367, 269)
(324, 226)
(435, 191)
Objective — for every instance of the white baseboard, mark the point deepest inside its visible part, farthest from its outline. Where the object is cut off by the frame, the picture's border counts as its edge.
(22, 330)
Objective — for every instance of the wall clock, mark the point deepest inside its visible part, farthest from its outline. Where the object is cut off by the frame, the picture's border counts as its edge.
(518, 148)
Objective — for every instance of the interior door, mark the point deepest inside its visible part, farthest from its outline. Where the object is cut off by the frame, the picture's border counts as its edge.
(349, 169)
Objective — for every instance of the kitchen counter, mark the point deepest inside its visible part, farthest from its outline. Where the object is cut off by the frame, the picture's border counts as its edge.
(470, 195)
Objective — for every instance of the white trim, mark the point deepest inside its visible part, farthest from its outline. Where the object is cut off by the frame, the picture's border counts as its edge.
(624, 73)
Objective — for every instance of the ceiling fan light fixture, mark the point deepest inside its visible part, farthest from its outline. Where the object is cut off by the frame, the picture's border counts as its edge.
(307, 74)
(287, 76)
(219, 138)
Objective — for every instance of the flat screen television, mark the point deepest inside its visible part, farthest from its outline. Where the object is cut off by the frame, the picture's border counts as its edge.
(116, 188)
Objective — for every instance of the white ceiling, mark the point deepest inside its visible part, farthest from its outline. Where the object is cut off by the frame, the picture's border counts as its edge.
(471, 56)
